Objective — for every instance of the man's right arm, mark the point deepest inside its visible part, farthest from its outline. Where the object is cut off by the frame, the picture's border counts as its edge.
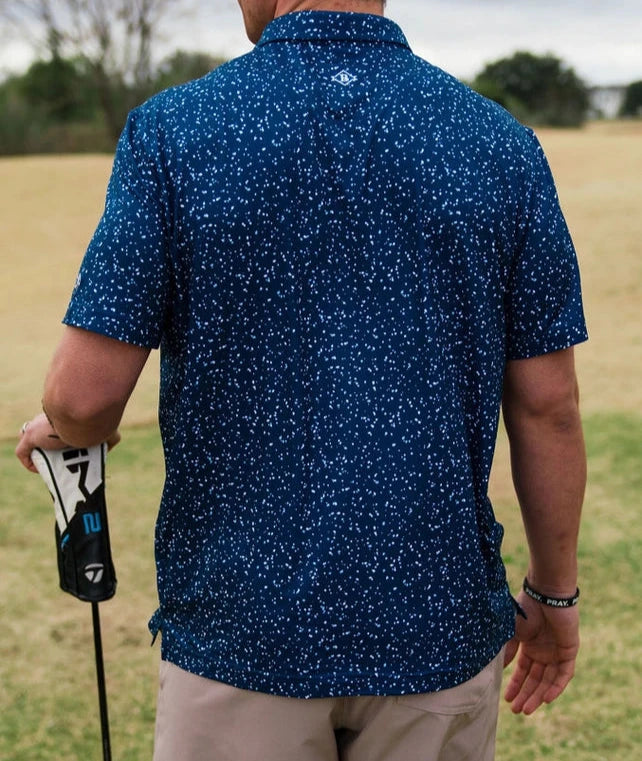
(541, 413)
(88, 384)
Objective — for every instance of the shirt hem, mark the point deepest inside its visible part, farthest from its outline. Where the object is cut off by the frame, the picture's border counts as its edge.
(338, 684)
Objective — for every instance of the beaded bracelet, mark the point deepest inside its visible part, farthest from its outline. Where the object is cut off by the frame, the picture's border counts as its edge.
(553, 602)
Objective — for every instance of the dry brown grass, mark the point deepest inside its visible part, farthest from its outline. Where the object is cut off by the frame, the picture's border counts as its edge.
(599, 177)
(49, 207)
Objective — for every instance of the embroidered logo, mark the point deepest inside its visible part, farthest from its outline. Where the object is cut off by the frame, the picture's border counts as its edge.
(344, 78)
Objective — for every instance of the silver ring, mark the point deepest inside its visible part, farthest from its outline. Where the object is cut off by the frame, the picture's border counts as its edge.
(25, 425)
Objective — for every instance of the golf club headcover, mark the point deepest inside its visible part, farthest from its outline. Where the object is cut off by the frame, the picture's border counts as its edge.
(76, 481)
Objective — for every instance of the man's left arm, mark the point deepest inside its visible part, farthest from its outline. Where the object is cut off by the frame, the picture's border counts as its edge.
(89, 382)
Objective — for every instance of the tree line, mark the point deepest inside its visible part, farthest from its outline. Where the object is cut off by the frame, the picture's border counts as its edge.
(96, 63)
(62, 105)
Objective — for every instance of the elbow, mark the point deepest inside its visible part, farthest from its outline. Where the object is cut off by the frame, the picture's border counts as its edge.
(556, 408)
(564, 418)
(562, 409)
(81, 421)
(541, 404)
(555, 414)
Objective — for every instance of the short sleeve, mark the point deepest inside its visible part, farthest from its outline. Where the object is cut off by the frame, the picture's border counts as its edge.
(544, 311)
(121, 289)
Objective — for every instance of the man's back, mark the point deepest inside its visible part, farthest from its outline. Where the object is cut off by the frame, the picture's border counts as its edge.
(339, 247)
(347, 258)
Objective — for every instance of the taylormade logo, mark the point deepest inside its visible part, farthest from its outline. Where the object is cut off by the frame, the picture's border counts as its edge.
(94, 572)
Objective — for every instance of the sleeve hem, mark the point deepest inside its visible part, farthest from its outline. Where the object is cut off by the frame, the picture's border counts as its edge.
(95, 324)
(548, 347)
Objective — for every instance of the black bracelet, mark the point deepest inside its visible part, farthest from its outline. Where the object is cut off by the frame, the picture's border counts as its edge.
(553, 602)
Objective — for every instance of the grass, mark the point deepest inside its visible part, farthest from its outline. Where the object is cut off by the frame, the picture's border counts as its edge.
(597, 718)
(48, 706)
(600, 187)
(48, 703)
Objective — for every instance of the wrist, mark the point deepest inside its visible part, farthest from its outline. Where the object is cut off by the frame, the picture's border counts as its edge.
(552, 601)
(551, 582)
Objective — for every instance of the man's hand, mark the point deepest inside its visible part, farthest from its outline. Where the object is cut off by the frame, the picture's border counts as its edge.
(546, 645)
(37, 433)
(40, 433)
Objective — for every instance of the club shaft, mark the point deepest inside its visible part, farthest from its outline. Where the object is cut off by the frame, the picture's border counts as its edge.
(100, 678)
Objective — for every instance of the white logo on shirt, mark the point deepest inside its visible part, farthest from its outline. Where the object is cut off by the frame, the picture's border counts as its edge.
(344, 78)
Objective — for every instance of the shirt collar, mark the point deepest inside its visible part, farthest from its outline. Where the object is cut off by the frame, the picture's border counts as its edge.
(314, 26)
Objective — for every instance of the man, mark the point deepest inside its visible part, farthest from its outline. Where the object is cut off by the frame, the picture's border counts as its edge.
(349, 259)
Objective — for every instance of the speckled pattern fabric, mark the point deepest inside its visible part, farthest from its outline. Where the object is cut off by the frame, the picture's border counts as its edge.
(337, 247)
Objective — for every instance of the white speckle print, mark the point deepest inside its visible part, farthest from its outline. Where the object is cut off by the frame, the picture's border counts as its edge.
(336, 273)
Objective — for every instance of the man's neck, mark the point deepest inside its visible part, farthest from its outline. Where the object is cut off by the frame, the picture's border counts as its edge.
(355, 6)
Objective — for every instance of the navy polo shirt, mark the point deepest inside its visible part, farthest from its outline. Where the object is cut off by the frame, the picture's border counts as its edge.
(338, 247)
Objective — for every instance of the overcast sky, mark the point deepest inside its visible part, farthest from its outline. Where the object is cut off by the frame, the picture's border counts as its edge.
(602, 40)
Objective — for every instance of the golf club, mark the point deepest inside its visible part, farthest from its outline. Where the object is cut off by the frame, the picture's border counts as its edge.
(76, 481)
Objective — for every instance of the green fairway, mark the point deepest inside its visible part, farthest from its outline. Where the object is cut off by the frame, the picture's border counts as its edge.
(48, 704)
(48, 699)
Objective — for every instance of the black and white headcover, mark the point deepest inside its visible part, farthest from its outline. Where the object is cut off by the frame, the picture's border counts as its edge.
(76, 481)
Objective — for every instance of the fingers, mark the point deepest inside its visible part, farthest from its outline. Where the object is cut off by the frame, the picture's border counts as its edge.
(544, 647)
(40, 433)
(534, 683)
(563, 675)
(529, 688)
(24, 449)
(538, 689)
(36, 433)
(517, 680)
(24, 455)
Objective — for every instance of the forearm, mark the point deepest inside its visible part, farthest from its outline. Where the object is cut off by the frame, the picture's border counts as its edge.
(549, 472)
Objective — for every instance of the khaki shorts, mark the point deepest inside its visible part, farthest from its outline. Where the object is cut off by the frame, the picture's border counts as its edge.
(203, 720)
